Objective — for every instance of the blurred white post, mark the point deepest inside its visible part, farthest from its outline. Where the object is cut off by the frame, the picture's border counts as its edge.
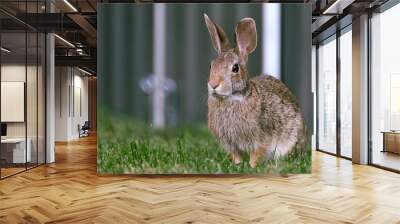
(271, 52)
(159, 68)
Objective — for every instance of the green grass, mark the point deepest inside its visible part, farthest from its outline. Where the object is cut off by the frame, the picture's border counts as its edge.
(131, 147)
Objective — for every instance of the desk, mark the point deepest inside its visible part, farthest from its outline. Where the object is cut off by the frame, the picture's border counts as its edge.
(391, 141)
(16, 147)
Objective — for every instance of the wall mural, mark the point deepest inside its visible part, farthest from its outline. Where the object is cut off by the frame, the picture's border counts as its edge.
(183, 89)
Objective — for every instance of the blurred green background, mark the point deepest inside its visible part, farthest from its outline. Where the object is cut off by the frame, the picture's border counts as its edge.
(125, 55)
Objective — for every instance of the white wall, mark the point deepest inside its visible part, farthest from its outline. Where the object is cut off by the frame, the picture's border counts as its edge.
(62, 82)
(79, 117)
(71, 87)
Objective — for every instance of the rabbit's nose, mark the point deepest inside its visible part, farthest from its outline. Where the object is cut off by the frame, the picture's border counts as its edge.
(213, 85)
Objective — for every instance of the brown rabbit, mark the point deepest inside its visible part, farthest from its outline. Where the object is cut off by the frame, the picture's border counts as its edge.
(259, 115)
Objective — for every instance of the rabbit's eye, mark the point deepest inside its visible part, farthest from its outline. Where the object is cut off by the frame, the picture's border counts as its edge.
(235, 68)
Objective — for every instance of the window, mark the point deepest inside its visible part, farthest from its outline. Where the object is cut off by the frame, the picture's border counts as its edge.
(334, 88)
(385, 89)
(327, 96)
(346, 93)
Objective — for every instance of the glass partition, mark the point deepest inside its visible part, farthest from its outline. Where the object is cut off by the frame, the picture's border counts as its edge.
(23, 91)
(14, 153)
(41, 107)
(32, 95)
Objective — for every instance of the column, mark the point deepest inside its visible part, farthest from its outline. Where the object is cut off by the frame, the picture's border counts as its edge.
(360, 90)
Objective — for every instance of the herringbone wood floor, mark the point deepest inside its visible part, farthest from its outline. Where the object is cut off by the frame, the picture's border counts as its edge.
(70, 191)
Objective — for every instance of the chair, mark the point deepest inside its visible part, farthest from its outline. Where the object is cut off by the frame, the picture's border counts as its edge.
(84, 130)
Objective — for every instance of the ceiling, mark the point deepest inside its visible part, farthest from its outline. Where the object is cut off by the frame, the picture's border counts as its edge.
(332, 15)
(75, 23)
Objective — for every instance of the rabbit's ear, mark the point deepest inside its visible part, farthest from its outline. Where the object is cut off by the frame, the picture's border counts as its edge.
(246, 37)
(218, 37)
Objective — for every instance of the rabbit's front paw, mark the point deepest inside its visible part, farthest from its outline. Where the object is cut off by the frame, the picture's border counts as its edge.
(256, 155)
(253, 161)
(237, 159)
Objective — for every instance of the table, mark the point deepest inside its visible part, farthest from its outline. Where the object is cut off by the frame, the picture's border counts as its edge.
(15, 148)
(391, 141)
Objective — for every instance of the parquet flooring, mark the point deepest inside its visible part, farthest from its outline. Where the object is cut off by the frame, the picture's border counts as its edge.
(70, 191)
(10, 171)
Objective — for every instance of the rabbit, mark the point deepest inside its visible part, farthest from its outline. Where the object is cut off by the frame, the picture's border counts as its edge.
(258, 115)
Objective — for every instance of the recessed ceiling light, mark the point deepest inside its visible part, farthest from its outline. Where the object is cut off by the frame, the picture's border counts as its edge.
(84, 71)
(337, 6)
(65, 41)
(5, 50)
(70, 5)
